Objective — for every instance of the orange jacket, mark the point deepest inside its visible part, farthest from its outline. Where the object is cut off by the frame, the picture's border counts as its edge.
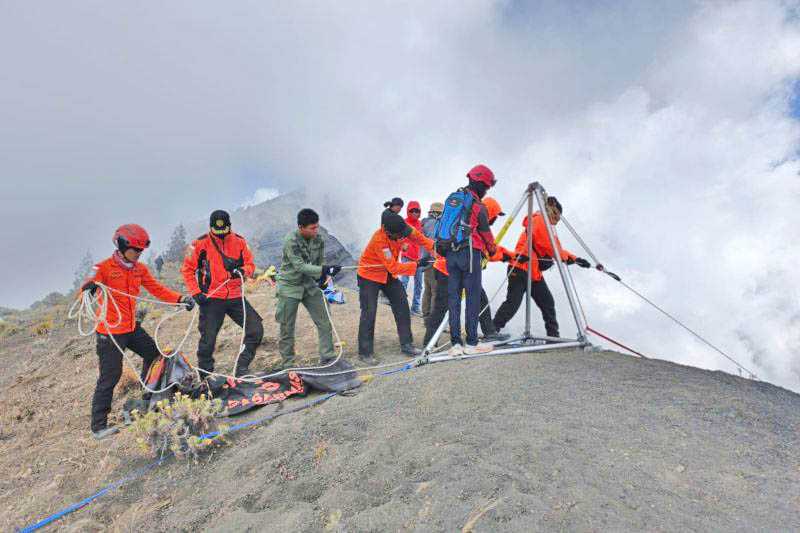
(203, 264)
(383, 251)
(441, 263)
(541, 247)
(115, 275)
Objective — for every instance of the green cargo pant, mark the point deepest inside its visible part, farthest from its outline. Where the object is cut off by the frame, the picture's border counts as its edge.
(286, 316)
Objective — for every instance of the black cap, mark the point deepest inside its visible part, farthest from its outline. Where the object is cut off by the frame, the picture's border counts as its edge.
(394, 224)
(220, 221)
(394, 201)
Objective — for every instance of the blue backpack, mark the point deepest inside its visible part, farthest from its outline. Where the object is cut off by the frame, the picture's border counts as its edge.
(453, 229)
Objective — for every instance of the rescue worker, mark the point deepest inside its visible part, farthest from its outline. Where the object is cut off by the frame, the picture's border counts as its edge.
(378, 271)
(395, 205)
(542, 260)
(439, 307)
(411, 254)
(428, 275)
(213, 270)
(464, 266)
(302, 274)
(124, 273)
(159, 265)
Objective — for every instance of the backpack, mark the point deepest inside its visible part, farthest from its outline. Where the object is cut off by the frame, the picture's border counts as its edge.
(453, 230)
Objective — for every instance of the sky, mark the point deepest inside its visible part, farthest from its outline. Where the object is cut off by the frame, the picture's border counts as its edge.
(670, 133)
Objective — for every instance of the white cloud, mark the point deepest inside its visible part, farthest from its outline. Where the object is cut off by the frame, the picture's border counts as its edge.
(663, 128)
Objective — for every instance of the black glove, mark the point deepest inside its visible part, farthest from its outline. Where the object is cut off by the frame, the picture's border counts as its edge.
(330, 270)
(187, 301)
(200, 298)
(583, 263)
(90, 286)
(236, 272)
(422, 263)
(522, 259)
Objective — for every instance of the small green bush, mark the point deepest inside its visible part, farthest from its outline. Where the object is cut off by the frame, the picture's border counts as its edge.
(177, 426)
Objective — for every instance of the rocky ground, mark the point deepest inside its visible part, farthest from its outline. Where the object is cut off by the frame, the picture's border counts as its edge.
(562, 440)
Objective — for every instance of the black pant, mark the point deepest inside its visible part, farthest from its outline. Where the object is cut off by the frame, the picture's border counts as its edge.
(368, 298)
(212, 314)
(439, 308)
(110, 366)
(540, 293)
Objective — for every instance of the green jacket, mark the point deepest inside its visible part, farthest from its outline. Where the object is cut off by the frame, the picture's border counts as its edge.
(301, 265)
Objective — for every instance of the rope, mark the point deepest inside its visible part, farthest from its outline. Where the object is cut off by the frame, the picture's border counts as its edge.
(655, 306)
(691, 331)
(143, 470)
(612, 341)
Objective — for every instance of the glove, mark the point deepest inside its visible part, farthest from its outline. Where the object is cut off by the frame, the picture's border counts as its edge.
(583, 263)
(330, 270)
(236, 272)
(188, 302)
(523, 259)
(90, 286)
(422, 263)
(200, 298)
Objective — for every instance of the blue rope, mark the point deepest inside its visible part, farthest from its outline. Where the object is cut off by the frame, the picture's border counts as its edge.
(140, 472)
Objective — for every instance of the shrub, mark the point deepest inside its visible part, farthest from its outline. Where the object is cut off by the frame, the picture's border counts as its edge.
(42, 328)
(178, 425)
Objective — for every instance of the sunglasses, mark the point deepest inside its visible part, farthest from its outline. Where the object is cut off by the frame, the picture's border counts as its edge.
(137, 250)
(414, 211)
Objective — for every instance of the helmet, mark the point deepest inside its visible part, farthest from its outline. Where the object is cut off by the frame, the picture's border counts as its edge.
(482, 174)
(131, 236)
(436, 207)
(493, 208)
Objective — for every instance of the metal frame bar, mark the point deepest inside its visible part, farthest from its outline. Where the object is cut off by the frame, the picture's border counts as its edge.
(507, 351)
(538, 191)
(519, 345)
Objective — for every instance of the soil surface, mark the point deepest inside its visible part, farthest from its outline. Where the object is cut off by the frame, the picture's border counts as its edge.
(558, 440)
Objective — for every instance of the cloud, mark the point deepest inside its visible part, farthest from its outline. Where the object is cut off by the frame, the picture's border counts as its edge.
(667, 131)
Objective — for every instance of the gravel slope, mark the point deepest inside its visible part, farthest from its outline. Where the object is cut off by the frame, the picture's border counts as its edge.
(551, 441)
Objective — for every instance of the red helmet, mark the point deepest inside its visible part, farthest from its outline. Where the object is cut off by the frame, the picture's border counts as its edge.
(131, 236)
(482, 174)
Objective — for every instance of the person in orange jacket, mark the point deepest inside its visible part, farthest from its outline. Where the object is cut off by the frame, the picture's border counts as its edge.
(122, 273)
(412, 254)
(213, 270)
(542, 260)
(439, 305)
(378, 271)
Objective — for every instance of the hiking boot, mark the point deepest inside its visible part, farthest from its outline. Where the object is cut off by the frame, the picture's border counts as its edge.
(102, 433)
(368, 359)
(496, 337)
(455, 350)
(478, 349)
(242, 370)
(410, 350)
